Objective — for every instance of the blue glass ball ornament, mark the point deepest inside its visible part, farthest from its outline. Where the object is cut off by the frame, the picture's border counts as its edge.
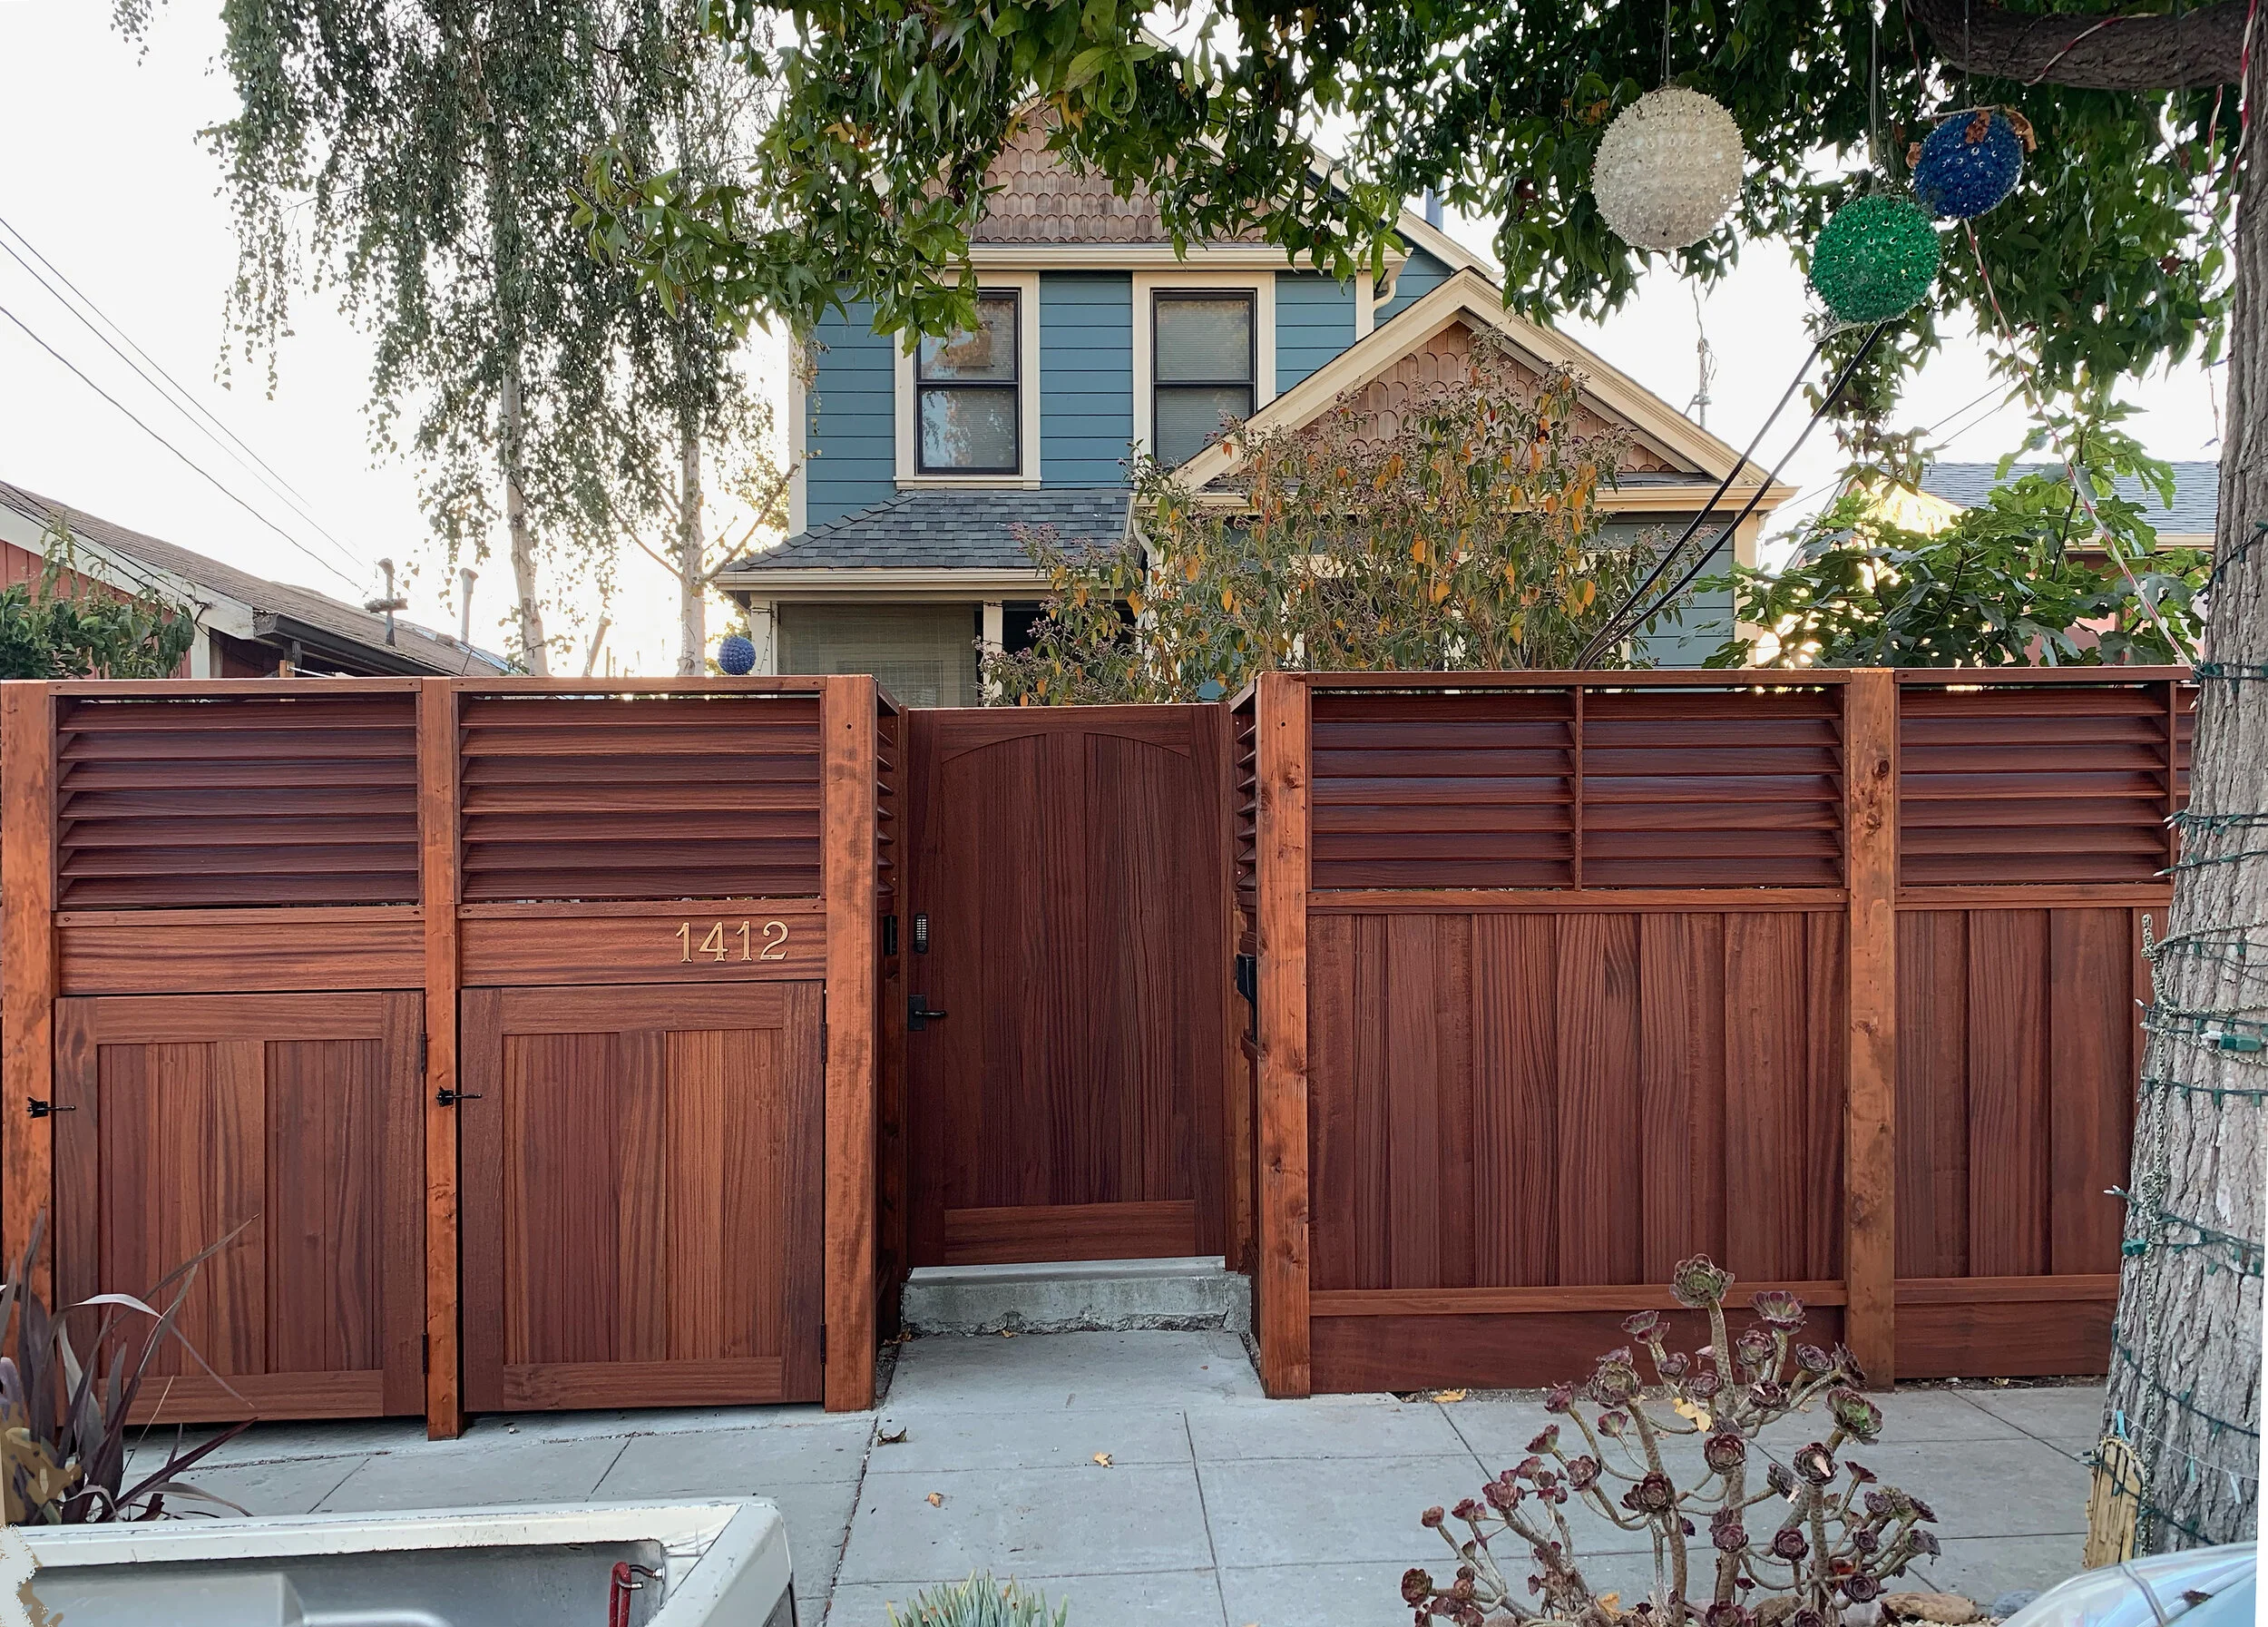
(1969, 163)
(736, 656)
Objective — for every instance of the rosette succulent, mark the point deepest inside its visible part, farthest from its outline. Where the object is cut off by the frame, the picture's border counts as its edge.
(1751, 1519)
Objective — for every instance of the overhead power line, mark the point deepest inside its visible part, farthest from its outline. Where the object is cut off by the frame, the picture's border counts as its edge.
(205, 474)
(173, 391)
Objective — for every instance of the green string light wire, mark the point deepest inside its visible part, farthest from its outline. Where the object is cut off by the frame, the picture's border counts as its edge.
(2153, 1083)
(2216, 1425)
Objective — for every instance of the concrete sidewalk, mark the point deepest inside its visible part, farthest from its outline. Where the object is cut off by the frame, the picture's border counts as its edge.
(1216, 1507)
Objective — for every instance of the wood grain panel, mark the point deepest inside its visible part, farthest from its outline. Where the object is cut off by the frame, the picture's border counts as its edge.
(27, 968)
(984, 1237)
(644, 1195)
(1071, 864)
(1932, 1200)
(1600, 1100)
(550, 943)
(2007, 1092)
(239, 951)
(2090, 1085)
(292, 1117)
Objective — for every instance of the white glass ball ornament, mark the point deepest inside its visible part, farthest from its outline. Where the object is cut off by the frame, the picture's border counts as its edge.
(1668, 169)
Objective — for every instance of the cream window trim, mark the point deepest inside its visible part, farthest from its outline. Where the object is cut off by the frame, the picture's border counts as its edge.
(1026, 287)
(1148, 285)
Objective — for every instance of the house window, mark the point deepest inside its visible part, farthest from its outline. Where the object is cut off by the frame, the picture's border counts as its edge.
(968, 412)
(1202, 366)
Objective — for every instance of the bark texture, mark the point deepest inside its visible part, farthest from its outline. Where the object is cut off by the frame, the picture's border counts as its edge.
(692, 582)
(533, 651)
(2147, 51)
(2184, 1372)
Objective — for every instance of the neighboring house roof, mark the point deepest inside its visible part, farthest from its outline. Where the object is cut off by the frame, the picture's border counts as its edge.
(955, 530)
(242, 605)
(1671, 455)
(2196, 508)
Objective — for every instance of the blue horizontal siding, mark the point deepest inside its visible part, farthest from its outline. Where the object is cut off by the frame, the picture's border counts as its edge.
(851, 425)
(1086, 377)
(1705, 620)
(1420, 277)
(1315, 321)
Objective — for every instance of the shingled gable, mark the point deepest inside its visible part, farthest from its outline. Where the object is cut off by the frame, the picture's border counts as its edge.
(1672, 461)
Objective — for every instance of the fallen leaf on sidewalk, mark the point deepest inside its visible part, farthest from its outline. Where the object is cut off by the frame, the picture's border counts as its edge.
(1448, 1395)
(1103, 1458)
(936, 1499)
(889, 1437)
(1008, 1333)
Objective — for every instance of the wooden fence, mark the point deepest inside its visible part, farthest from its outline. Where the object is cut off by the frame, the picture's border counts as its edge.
(1561, 978)
(540, 1033)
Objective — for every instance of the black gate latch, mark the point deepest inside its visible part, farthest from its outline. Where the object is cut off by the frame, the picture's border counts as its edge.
(449, 1098)
(40, 1109)
(918, 1013)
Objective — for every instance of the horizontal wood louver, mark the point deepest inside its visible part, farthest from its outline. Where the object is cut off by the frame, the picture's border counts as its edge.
(651, 797)
(1719, 788)
(889, 729)
(2051, 783)
(1418, 790)
(204, 803)
(1244, 794)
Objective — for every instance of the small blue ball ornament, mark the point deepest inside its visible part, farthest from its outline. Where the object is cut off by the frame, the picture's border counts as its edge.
(1969, 163)
(736, 656)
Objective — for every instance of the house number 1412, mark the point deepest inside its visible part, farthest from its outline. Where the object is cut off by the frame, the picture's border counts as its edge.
(718, 945)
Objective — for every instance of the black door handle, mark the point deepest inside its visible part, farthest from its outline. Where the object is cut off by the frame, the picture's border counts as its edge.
(448, 1098)
(917, 1011)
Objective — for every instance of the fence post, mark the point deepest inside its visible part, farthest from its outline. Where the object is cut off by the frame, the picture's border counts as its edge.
(437, 896)
(846, 868)
(1870, 1160)
(27, 954)
(1280, 720)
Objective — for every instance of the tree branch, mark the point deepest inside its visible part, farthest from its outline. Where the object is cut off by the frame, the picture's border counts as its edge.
(2108, 52)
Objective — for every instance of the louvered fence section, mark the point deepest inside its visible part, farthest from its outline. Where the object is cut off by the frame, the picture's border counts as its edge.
(211, 802)
(647, 797)
(1719, 788)
(2014, 784)
(1442, 790)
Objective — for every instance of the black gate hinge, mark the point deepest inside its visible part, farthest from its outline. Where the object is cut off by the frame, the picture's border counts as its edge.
(39, 1110)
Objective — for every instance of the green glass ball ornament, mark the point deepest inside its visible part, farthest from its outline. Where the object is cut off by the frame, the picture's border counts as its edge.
(1875, 259)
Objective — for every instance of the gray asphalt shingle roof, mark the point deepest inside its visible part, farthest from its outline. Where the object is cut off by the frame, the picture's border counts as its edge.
(265, 597)
(948, 530)
(2196, 492)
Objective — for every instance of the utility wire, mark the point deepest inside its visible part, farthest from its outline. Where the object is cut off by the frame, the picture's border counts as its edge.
(181, 399)
(177, 452)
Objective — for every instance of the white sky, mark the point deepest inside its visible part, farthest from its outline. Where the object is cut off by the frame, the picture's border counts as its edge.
(104, 175)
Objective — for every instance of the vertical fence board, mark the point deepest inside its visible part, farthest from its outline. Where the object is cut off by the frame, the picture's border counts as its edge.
(1599, 1129)
(2007, 1092)
(2088, 1070)
(438, 865)
(1869, 1242)
(1932, 1203)
(846, 802)
(1281, 1288)
(1516, 1105)
(27, 952)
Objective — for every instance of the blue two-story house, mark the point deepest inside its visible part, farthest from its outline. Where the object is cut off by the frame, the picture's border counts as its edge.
(1096, 338)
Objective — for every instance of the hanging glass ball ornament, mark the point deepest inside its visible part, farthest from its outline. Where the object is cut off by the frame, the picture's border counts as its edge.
(736, 656)
(1969, 163)
(1667, 169)
(1875, 259)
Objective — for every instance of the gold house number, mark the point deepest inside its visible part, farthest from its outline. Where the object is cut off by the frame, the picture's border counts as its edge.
(718, 945)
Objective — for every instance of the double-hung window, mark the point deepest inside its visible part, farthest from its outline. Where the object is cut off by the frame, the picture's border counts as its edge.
(1202, 363)
(968, 394)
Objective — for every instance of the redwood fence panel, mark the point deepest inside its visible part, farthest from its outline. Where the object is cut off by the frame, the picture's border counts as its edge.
(231, 855)
(1564, 976)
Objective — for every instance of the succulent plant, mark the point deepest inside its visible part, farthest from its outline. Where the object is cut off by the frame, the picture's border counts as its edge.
(980, 1602)
(1820, 1531)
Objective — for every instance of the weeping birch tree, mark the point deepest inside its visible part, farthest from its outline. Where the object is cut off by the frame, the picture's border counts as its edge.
(418, 156)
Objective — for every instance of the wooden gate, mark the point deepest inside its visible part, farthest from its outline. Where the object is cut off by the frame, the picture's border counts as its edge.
(644, 1171)
(179, 1119)
(1067, 923)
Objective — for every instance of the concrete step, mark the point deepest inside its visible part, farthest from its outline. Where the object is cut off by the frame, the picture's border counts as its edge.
(1077, 1296)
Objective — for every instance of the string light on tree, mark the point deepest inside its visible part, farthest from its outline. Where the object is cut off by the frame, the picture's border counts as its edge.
(1875, 259)
(1668, 169)
(1970, 162)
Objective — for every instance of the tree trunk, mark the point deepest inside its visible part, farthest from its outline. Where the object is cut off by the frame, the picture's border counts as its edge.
(533, 649)
(692, 588)
(2184, 1366)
